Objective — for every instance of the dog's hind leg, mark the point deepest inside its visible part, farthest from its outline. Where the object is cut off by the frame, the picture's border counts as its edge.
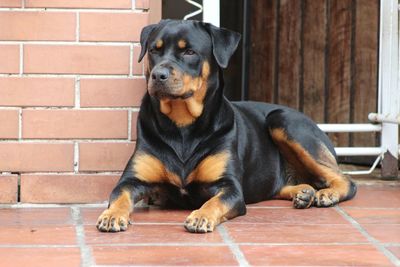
(305, 149)
(302, 195)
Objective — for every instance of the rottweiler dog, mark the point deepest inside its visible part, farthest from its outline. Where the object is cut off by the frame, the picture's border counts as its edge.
(197, 150)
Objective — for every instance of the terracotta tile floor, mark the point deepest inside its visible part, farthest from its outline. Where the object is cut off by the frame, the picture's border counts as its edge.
(361, 232)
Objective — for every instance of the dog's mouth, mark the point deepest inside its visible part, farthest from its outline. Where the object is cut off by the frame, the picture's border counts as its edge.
(163, 95)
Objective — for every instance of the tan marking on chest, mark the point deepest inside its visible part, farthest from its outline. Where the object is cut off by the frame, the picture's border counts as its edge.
(210, 169)
(149, 169)
(184, 112)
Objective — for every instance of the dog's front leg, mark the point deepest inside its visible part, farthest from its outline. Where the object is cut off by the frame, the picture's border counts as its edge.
(116, 217)
(226, 204)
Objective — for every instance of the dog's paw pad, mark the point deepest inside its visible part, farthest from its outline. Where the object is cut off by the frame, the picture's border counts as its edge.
(304, 198)
(198, 222)
(326, 198)
(112, 221)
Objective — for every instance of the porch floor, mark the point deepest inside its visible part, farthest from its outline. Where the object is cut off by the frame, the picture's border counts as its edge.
(361, 232)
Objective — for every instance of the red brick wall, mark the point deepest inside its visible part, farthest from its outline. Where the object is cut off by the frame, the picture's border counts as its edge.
(70, 90)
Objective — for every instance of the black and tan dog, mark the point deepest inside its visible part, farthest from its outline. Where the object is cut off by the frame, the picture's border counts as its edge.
(197, 150)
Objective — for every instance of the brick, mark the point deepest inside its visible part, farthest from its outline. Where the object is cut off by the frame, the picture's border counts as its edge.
(43, 26)
(9, 58)
(35, 92)
(9, 124)
(65, 124)
(104, 156)
(40, 256)
(123, 4)
(38, 235)
(34, 216)
(137, 68)
(112, 26)
(82, 59)
(134, 125)
(142, 4)
(165, 255)
(9, 188)
(66, 188)
(10, 3)
(112, 92)
(26, 157)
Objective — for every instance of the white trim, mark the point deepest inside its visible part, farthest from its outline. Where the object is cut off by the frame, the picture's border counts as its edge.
(347, 128)
(389, 92)
(211, 12)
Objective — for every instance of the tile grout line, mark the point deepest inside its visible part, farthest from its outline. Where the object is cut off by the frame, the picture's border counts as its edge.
(235, 249)
(186, 244)
(393, 259)
(86, 253)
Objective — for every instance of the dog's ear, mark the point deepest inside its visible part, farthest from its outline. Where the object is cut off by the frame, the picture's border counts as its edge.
(144, 36)
(224, 43)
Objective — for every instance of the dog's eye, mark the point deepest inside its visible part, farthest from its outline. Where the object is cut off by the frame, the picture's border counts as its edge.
(189, 52)
(152, 50)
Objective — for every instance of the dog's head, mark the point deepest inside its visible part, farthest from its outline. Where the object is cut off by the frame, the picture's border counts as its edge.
(183, 56)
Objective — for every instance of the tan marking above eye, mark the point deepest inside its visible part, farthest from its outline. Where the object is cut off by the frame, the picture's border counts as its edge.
(210, 169)
(159, 43)
(181, 43)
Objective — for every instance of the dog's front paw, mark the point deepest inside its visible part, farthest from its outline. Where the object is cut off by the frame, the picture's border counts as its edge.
(200, 222)
(113, 221)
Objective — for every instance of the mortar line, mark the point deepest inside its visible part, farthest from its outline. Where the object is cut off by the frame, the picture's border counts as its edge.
(19, 188)
(235, 249)
(71, 43)
(131, 60)
(86, 76)
(86, 253)
(22, 3)
(20, 124)
(77, 29)
(71, 10)
(393, 259)
(77, 103)
(76, 157)
(69, 108)
(83, 173)
(66, 141)
(21, 60)
(129, 125)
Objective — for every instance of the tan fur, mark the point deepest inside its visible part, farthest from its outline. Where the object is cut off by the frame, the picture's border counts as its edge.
(210, 169)
(336, 182)
(159, 43)
(116, 217)
(151, 170)
(212, 213)
(289, 191)
(181, 44)
(184, 112)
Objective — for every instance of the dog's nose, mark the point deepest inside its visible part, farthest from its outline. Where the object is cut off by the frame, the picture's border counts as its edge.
(160, 74)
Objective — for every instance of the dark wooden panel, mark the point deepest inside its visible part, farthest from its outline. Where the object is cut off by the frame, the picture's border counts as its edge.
(339, 66)
(314, 41)
(263, 50)
(365, 67)
(289, 53)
